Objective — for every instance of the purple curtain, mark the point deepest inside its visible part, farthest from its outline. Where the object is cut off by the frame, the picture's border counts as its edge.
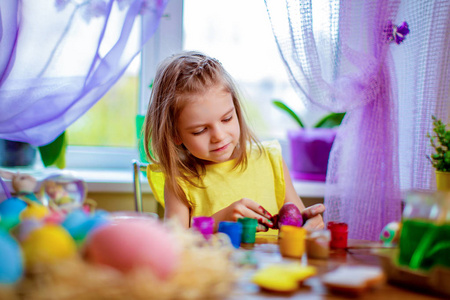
(4, 191)
(59, 57)
(388, 87)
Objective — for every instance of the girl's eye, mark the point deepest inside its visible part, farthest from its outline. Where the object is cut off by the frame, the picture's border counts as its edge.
(199, 132)
(228, 119)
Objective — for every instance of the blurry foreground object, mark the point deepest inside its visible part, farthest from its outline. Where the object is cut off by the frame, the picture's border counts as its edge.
(63, 192)
(422, 259)
(202, 269)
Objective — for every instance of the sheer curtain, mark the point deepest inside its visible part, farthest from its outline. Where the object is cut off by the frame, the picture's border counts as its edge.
(354, 66)
(59, 57)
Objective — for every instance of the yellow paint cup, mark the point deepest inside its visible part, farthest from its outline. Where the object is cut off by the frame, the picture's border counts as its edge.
(292, 241)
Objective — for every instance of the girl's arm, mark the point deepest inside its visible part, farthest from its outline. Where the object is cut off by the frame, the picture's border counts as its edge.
(311, 214)
(175, 208)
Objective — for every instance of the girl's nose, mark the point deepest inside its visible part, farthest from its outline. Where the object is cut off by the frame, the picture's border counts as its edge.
(217, 134)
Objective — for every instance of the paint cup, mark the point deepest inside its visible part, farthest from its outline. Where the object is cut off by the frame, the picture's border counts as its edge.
(204, 225)
(248, 230)
(233, 230)
(318, 244)
(339, 235)
(292, 241)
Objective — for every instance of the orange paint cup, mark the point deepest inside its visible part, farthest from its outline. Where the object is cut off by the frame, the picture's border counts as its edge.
(292, 241)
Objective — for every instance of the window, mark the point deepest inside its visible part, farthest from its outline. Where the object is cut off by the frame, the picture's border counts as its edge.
(238, 33)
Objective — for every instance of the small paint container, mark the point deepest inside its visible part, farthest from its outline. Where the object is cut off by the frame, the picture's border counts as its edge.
(248, 230)
(318, 244)
(339, 235)
(204, 225)
(292, 241)
(233, 230)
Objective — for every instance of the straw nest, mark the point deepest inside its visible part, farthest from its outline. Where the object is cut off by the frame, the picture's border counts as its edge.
(205, 272)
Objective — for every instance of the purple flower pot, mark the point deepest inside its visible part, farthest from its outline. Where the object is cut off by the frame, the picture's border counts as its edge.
(310, 150)
(14, 154)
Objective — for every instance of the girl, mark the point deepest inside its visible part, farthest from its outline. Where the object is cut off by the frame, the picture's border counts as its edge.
(206, 161)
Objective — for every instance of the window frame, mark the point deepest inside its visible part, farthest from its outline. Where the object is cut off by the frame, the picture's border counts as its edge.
(167, 39)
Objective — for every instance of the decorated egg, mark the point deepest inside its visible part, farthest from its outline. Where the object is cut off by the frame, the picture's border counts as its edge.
(48, 244)
(34, 211)
(10, 210)
(130, 243)
(289, 214)
(390, 234)
(25, 227)
(79, 224)
(64, 191)
(11, 266)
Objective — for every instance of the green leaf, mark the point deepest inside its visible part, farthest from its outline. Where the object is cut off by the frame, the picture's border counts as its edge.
(54, 153)
(330, 121)
(288, 110)
(439, 141)
(140, 136)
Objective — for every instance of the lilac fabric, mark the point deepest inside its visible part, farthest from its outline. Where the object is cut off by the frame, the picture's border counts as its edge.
(348, 68)
(4, 191)
(59, 57)
(389, 91)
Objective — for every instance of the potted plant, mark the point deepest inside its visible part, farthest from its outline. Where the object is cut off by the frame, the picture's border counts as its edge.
(19, 154)
(310, 147)
(440, 159)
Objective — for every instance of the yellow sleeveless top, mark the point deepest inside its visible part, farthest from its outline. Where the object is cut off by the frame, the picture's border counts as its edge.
(262, 181)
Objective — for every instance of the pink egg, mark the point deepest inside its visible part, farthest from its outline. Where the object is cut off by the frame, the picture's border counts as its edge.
(130, 243)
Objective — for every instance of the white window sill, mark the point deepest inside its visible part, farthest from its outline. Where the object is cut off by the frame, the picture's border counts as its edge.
(121, 180)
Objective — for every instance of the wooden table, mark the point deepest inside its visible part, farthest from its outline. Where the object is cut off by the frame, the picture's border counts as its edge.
(266, 252)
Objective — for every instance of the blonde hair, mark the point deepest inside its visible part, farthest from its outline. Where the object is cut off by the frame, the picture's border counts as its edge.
(177, 78)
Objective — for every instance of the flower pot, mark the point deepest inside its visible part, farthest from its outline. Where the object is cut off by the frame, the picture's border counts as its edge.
(443, 181)
(310, 149)
(16, 154)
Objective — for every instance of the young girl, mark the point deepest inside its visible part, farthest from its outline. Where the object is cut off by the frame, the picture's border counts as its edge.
(206, 161)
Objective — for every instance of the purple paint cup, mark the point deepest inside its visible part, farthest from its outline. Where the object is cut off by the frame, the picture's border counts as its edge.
(204, 225)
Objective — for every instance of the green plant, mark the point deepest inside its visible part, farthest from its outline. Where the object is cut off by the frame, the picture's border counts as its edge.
(328, 121)
(54, 153)
(440, 141)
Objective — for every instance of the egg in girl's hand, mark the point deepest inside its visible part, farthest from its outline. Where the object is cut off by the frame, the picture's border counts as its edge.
(131, 243)
(289, 214)
(11, 266)
(48, 244)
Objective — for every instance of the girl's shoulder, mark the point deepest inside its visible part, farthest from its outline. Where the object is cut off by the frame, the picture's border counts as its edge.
(268, 147)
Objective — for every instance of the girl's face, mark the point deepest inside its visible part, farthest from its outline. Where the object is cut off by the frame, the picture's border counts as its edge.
(208, 125)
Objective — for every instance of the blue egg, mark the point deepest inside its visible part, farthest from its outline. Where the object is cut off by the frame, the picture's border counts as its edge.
(79, 224)
(11, 267)
(10, 210)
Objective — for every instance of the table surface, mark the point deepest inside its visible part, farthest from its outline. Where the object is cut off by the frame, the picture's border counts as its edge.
(266, 252)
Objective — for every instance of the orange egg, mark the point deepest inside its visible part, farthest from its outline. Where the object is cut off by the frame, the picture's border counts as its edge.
(129, 244)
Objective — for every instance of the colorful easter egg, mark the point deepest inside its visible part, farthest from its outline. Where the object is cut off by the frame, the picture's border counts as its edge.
(130, 243)
(390, 234)
(48, 244)
(34, 211)
(25, 227)
(10, 210)
(79, 224)
(11, 266)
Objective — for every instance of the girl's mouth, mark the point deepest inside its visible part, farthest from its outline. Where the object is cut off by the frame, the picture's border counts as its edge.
(221, 148)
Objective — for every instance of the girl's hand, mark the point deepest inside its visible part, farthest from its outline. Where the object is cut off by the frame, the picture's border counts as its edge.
(312, 216)
(244, 208)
